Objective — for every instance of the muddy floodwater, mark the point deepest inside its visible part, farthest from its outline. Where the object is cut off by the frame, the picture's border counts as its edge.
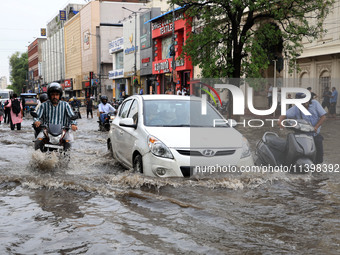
(94, 206)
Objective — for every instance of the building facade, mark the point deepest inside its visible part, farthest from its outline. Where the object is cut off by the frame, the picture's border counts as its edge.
(319, 63)
(171, 69)
(3, 82)
(35, 58)
(53, 48)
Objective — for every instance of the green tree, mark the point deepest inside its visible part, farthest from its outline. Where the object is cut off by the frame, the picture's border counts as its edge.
(237, 37)
(19, 66)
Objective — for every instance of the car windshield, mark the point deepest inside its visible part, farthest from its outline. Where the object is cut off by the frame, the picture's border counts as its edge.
(180, 113)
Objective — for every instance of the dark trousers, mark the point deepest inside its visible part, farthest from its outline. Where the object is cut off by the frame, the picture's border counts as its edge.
(13, 126)
(89, 111)
(318, 140)
(7, 116)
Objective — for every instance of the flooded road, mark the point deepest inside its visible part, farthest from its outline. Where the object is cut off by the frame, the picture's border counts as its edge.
(94, 206)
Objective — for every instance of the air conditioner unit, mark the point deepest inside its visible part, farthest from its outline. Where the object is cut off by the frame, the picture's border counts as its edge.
(109, 87)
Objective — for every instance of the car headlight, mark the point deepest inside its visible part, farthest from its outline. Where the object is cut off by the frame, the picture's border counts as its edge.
(245, 148)
(158, 148)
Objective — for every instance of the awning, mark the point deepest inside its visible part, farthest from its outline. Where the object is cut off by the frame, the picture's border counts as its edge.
(162, 15)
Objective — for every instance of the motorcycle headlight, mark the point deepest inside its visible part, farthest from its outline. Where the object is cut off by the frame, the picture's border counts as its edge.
(55, 139)
(158, 148)
(245, 148)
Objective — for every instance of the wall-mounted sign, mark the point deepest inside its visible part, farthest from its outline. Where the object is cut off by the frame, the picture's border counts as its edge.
(116, 74)
(62, 15)
(130, 50)
(146, 60)
(162, 66)
(116, 45)
(43, 31)
(166, 23)
(180, 62)
(68, 84)
(145, 34)
(86, 40)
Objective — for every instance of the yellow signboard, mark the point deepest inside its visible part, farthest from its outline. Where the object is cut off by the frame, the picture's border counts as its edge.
(43, 31)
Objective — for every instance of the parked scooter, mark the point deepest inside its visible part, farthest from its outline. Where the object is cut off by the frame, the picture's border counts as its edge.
(108, 118)
(54, 137)
(297, 151)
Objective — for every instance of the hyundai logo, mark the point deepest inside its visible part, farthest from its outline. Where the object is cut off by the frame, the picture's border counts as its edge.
(208, 153)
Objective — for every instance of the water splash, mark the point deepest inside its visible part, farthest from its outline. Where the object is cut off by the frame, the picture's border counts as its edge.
(48, 161)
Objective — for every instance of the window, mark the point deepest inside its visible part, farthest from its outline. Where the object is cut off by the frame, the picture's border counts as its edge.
(178, 113)
(119, 60)
(125, 109)
(134, 112)
(325, 80)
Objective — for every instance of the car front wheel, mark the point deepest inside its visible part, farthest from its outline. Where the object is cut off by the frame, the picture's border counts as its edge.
(138, 163)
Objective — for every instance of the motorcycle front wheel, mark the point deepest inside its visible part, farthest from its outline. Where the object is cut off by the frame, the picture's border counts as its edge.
(39, 145)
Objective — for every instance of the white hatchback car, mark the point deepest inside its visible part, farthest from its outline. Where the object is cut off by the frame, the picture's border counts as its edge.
(168, 136)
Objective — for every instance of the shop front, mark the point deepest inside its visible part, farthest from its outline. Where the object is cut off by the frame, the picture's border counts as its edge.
(170, 68)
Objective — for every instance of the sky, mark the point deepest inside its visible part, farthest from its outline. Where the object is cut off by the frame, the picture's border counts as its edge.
(20, 24)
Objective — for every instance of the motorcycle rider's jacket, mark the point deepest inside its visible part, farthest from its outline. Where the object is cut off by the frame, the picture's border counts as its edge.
(314, 108)
(60, 114)
(106, 108)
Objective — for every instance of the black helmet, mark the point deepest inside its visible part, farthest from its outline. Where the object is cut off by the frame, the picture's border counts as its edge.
(103, 98)
(43, 97)
(54, 87)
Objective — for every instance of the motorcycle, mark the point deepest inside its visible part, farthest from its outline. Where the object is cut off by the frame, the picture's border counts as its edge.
(297, 151)
(54, 137)
(76, 111)
(108, 118)
(117, 103)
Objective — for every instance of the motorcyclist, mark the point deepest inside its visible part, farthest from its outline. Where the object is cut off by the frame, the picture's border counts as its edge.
(56, 112)
(317, 117)
(104, 108)
(75, 104)
(42, 98)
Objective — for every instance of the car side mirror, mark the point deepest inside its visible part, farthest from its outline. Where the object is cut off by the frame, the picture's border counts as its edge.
(127, 122)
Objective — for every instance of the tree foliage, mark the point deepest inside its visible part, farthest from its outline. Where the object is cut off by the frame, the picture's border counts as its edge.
(242, 37)
(19, 66)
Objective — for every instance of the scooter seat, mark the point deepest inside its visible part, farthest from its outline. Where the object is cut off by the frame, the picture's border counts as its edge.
(276, 142)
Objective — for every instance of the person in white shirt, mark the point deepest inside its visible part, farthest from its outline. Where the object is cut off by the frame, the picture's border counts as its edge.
(104, 108)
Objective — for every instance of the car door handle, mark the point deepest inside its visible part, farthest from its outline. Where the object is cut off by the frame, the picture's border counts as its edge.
(121, 132)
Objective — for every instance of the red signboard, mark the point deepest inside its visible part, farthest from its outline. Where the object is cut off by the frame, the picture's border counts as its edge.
(67, 83)
(146, 60)
(87, 84)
